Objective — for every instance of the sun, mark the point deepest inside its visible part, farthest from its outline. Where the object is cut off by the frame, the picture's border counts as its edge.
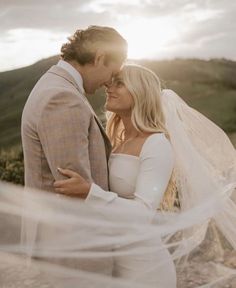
(149, 38)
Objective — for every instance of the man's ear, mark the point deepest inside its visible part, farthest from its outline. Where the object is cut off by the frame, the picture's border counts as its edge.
(99, 57)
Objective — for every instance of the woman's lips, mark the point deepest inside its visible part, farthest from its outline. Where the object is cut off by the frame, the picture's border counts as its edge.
(111, 96)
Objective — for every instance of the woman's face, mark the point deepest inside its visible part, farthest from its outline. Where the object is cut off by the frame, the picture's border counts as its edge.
(119, 100)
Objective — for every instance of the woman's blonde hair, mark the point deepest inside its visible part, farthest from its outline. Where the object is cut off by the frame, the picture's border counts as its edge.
(146, 115)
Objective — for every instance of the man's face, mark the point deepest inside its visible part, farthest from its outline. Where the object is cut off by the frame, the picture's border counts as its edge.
(102, 74)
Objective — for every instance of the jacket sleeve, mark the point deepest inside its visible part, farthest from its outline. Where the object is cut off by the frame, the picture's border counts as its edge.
(63, 132)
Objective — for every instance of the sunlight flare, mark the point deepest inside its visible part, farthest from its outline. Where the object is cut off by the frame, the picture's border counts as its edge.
(149, 38)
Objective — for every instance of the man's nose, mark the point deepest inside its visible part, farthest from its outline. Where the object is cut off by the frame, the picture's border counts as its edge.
(108, 83)
(108, 88)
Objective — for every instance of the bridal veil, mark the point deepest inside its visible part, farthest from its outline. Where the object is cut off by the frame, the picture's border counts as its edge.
(44, 237)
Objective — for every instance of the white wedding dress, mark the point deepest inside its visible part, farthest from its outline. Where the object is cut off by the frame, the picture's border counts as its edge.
(141, 181)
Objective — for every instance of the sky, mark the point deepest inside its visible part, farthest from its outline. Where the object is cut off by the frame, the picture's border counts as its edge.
(31, 30)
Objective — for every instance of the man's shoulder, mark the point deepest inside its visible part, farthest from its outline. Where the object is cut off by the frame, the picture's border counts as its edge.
(51, 85)
(53, 93)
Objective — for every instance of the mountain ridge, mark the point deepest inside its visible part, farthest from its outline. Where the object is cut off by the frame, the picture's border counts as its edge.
(207, 85)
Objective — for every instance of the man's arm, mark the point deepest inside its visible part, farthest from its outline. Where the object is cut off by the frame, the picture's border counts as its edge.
(63, 131)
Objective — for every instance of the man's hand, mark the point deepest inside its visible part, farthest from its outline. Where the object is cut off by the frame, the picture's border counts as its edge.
(75, 186)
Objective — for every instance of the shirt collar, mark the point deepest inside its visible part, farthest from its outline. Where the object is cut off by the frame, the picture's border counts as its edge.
(73, 72)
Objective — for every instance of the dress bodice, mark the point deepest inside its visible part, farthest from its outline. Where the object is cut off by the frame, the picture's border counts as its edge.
(123, 172)
(143, 179)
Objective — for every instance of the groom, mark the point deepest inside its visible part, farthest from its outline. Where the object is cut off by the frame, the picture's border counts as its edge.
(59, 127)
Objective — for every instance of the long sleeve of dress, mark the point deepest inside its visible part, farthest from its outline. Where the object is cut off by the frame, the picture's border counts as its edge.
(156, 163)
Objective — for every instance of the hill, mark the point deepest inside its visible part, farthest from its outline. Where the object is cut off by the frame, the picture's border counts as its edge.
(208, 86)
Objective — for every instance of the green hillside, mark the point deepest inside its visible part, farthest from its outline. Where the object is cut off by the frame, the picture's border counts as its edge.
(208, 86)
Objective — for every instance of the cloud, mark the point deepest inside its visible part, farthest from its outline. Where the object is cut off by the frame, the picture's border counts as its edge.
(204, 28)
(21, 47)
(63, 16)
(213, 36)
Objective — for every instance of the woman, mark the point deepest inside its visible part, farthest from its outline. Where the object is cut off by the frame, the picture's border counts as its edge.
(160, 146)
(140, 166)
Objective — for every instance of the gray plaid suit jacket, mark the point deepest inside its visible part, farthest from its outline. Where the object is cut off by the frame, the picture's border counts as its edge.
(60, 129)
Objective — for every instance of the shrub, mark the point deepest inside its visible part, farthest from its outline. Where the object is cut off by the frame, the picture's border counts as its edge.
(12, 166)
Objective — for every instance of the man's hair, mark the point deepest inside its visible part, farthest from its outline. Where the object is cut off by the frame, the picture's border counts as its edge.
(83, 45)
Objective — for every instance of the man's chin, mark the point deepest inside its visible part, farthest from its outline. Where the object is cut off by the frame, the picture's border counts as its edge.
(90, 91)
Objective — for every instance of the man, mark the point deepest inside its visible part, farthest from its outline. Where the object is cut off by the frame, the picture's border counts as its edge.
(59, 127)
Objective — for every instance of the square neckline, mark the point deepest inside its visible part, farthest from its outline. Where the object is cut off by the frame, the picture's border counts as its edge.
(134, 156)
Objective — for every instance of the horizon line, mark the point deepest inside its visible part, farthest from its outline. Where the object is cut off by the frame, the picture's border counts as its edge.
(130, 59)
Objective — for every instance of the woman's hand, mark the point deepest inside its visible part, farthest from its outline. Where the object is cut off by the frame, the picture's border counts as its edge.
(75, 186)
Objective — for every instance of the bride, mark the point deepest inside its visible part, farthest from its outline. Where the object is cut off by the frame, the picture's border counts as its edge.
(172, 172)
(152, 159)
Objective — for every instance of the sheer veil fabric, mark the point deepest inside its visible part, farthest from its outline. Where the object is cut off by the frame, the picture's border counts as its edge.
(45, 237)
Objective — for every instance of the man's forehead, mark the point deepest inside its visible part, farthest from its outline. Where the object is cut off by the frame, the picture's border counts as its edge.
(116, 72)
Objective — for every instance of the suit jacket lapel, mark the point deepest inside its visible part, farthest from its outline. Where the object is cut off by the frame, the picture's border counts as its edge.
(107, 142)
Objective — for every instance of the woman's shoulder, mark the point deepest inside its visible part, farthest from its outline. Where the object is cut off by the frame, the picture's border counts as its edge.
(156, 143)
(159, 137)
